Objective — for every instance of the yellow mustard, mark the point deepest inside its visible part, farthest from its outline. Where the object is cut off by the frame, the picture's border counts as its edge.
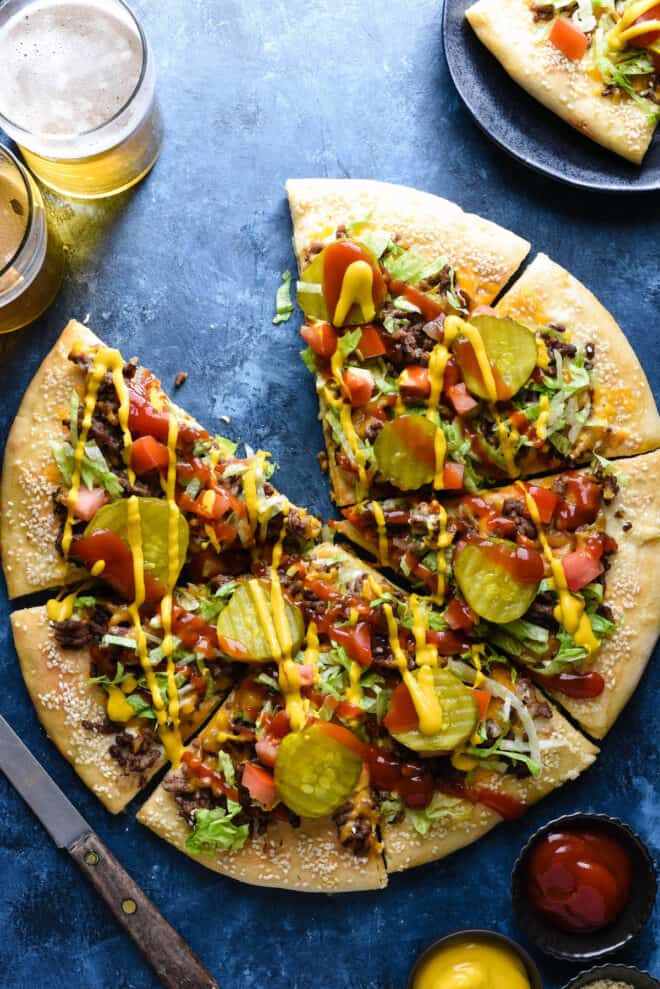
(472, 965)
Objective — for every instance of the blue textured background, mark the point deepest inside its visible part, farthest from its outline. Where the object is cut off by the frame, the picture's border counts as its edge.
(183, 272)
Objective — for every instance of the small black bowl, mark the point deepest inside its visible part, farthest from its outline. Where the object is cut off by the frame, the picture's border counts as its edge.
(475, 934)
(623, 973)
(596, 944)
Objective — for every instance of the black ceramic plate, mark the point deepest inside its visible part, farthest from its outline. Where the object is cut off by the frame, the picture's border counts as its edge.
(524, 128)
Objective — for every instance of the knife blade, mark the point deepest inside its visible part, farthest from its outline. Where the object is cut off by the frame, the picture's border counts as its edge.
(171, 958)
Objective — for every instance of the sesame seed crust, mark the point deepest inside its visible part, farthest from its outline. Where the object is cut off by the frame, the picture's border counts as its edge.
(507, 28)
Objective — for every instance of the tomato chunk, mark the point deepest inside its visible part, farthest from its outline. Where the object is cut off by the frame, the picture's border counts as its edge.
(546, 501)
(356, 640)
(88, 502)
(149, 454)
(482, 697)
(144, 419)
(461, 399)
(371, 342)
(321, 338)
(344, 737)
(580, 569)
(259, 783)
(459, 615)
(452, 476)
(347, 710)
(401, 714)
(358, 385)
(118, 570)
(415, 381)
(570, 41)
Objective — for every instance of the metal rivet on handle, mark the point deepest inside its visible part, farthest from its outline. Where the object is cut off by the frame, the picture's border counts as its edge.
(129, 906)
(91, 858)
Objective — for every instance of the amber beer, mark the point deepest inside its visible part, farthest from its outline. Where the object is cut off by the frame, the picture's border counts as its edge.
(77, 93)
(31, 263)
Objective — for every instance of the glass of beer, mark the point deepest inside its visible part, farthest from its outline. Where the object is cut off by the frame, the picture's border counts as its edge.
(31, 262)
(77, 93)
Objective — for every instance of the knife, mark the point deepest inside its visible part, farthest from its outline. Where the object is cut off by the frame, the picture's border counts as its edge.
(173, 961)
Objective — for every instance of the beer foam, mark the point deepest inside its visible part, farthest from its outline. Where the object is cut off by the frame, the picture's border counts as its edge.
(67, 67)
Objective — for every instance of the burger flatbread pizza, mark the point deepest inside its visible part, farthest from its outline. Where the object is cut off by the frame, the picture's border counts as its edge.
(594, 63)
(422, 389)
(366, 718)
(548, 572)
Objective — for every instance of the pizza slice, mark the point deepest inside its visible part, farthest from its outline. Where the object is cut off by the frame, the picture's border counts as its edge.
(422, 389)
(363, 715)
(95, 431)
(594, 62)
(548, 572)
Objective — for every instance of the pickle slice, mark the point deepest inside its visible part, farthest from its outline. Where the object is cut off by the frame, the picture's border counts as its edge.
(511, 347)
(310, 291)
(314, 774)
(489, 587)
(459, 716)
(240, 627)
(405, 451)
(155, 518)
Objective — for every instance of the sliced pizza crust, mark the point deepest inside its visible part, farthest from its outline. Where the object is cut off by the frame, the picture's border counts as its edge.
(484, 255)
(29, 527)
(547, 293)
(309, 859)
(566, 754)
(57, 681)
(631, 591)
(507, 28)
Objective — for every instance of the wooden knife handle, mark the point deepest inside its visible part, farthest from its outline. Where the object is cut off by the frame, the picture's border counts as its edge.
(173, 961)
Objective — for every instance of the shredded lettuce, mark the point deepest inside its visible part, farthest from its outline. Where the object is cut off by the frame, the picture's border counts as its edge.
(391, 808)
(227, 447)
(210, 607)
(283, 303)
(442, 807)
(213, 830)
(408, 267)
(376, 240)
(309, 360)
(94, 470)
(227, 767)
(141, 708)
(349, 341)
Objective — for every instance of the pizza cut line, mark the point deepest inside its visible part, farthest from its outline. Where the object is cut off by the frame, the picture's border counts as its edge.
(322, 726)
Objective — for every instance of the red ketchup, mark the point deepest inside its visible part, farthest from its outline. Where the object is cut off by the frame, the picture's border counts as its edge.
(579, 880)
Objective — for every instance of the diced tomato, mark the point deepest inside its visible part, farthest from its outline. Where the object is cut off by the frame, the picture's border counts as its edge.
(415, 381)
(356, 640)
(266, 749)
(401, 714)
(149, 454)
(459, 615)
(581, 686)
(280, 725)
(344, 737)
(186, 470)
(649, 37)
(452, 476)
(348, 711)
(580, 569)
(570, 41)
(501, 526)
(88, 502)
(259, 783)
(306, 674)
(371, 343)
(358, 385)
(212, 504)
(143, 418)
(452, 375)
(321, 337)
(429, 307)
(482, 697)
(546, 501)
(447, 643)
(461, 399)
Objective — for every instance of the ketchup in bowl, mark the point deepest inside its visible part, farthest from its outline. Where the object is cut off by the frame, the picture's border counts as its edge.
(579, 880)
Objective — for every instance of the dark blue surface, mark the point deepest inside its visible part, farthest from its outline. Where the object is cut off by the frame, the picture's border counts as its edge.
(184, 273)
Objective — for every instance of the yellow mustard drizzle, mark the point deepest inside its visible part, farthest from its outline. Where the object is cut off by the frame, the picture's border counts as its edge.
(123, 397)
(437, 365)
(173, 567)
(383, 545)
(171, 739)
(356, 289)
(59, 609)
(421, 688)
(250, 494)
(541, 425)
(444, 539)
(118, 708)
(289, 674)
(312, 649)
(97, 568)
(105, 359)
(625, 29)
(345, 414)
(542, 356)
(354, 692)
(569, 612)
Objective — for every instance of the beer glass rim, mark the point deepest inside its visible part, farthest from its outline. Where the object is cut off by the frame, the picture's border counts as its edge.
(6, 153)
(99, 127)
